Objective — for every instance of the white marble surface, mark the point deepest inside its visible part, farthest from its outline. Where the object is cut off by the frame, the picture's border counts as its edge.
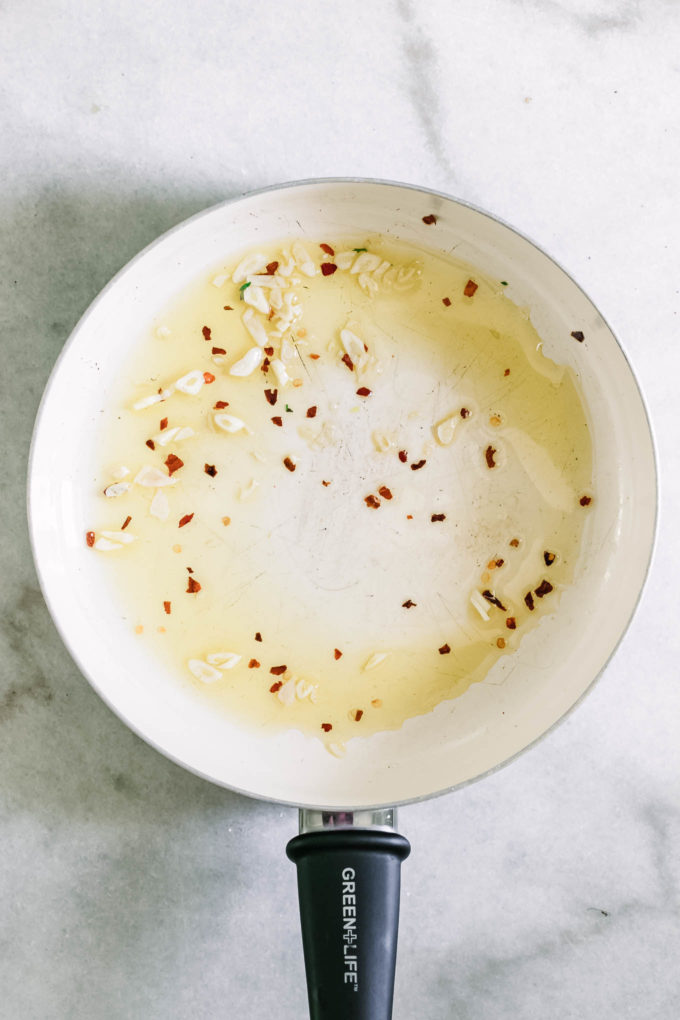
(130, 889)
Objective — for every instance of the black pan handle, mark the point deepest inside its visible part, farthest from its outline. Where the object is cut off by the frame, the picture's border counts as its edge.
(348, 884)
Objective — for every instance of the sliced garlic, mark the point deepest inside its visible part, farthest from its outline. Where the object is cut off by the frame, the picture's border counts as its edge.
(366, 262)
(122, 537)
(304, 262)
(255, 297)
(120, 472)
(304, 689)
(247, 491)
(367, 284)
(480, 604)
(382, 442)
(104, 545)
(374, 661)
(279, 370)
(219, 280)
(159, 506)
(250, 264)
(153, 398)
(225, 660)
(344, 259)
(444, 431)
(117, 489)
(191, 383)
(184, 433)
(353, 345)
(286, 693)
(246, 365)
(255, 327)
(229, 423)
(203, 671)
(153, 478)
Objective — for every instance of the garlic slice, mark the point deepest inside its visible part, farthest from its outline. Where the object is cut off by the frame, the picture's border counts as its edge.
(229, 423)
(225, 660)
(159, 506)
(191, 383)
(153, 478)
(255, 327)
(246, 365)
(117, 489)
(374, 661)
(203, 671)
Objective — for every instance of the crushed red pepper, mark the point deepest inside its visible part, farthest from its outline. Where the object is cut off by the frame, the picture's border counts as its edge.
(206, 333)
(372, 502)
(585, 501)
(403, 456)
(470, 288)
(218, 350)
(446, 301)
(228, 308)
(327, 248)
(489, 453)
(311, 411)
(438, 517)
(264, 367)
(385, 492)
(290, 464)
(363, 391)
(444, 650)
(464, 413)
(529, 601)
(429, 219)
(549, 558)
(150, 443)
(278, 670)
(219, 404)
(511, 623)
(490, 597)
(326, 727)
(269, 351)
(514, 542)
(271, 268)
(253, 664)
(167, 606)
(258, 636)
(337, 654)
(272, 396)
(208, 378)
(500, 642)
(347, 361)
(89, 538)
(325, 484)
(277, 420)
(276, 687)
(210, 469)
(417, 466)
(270, 316)
(173, 463)
(328, 268)
(506, 372)
(193, 586)
(358, 713)
(578, 335)
(544, 588)
(315, 357)
(185, 520)
(125, 523)
(164, 423)
(409, 604)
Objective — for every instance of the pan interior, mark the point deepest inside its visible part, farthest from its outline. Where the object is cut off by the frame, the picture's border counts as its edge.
(526, 692)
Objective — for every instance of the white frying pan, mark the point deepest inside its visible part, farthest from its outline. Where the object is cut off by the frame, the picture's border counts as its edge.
(348, 856)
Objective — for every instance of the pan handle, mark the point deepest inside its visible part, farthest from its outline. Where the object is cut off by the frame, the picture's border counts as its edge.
(349, 869)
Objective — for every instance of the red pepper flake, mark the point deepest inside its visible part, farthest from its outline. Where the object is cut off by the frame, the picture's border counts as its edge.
(549, 558)
(173, 463)
(578, 335)
(272, 396)
(228, 308)
(437, 517)
(89, 538)
(403, 456)
(348, 361)
(514, 542)
(429, 219)
(185, 520)
(544, 588)
(190, 569)
(270, 315)
(276, 687)
(264, 367)
(357, 714)
(507, 372)
(372, 502)
(150, 443)
(253, 664)
(417, 466)
(219, 404)
(490, 597)
(328, 268)
(164, 423)
(290, 464)
(311, 411)
(363, 391)
(278, 420)
(409, 517)
(337, 654)
(327, 248)
(325, 484)
(125, 523)
(446, 301)
(167, 606)
(258, 636)
(409, 604)
(470, 288)
(385, 492)
(208, 377)
(269, 351)
(278, 670)
(464, 413)
(489, 454)
(585, 501)
(192, 586)
(314, 357)
(210, 469)
(445, 649)
(326, 727)
(511, 623)
(500, 642)
(206, 333)
(529, 601)
(218, 350)
(271, 268)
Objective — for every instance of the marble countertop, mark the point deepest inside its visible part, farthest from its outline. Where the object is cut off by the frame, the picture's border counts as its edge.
(131, 889)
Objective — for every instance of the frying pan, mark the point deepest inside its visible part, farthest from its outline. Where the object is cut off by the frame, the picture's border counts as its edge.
(348, 853)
